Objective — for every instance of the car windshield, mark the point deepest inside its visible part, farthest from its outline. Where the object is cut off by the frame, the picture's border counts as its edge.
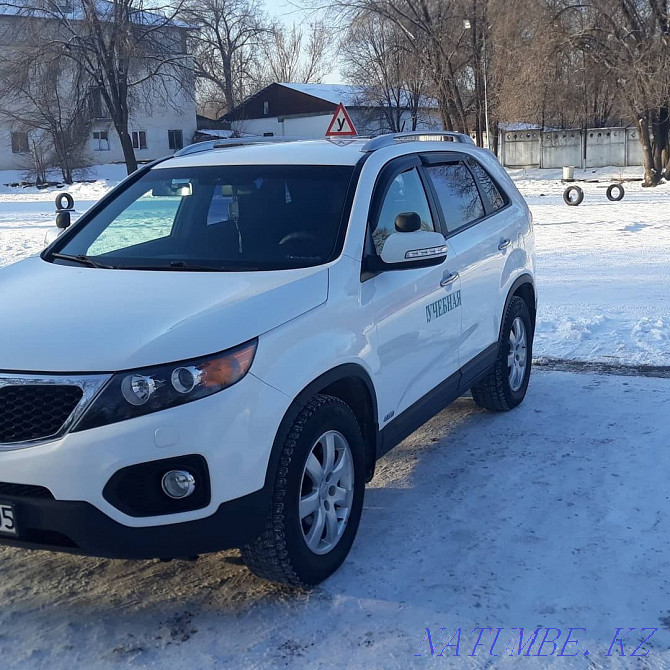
(217, 218)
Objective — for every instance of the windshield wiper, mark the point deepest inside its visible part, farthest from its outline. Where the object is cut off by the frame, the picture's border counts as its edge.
(182, 265)
(82, 260)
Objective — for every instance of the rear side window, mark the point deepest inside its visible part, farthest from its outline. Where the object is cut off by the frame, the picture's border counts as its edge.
(489, 189)
(458, 194)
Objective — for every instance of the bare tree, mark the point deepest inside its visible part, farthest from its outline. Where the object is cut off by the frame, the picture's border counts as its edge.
(379, 57)
(225, 43)
(438, 36)
(632, 39)
(562, 87)
(123, 47)
(295, 54)
(47, 100)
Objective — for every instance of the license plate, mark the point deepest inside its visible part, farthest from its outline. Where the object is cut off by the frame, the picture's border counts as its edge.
(7, 523)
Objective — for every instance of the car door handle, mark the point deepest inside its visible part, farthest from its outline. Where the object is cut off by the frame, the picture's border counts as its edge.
(449, 279)
(504, 244)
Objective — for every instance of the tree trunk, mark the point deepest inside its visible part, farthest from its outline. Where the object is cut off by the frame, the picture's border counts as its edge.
(443, 102)
(651, 178)
(128, 151)
(478, 79)
(659, 141)
(664, 138)
(228, 83)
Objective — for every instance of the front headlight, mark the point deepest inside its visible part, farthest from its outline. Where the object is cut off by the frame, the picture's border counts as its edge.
(139, 392)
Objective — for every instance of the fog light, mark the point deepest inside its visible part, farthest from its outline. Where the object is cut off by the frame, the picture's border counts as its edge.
(178, 484)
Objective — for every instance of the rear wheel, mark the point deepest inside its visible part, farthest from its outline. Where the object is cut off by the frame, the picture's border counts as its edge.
(317, 498)
(506, 384)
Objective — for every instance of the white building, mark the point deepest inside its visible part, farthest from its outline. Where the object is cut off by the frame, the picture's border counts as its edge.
(305, 110)
(159, 124)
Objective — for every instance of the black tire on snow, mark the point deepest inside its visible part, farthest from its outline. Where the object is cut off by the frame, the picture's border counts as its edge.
(620, 192)
(567, 196)
(69, 201)
(494, 391)
(281, 554)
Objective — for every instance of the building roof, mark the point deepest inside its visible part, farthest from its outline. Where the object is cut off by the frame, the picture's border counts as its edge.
(286, 99)
(355, 95)
(352, 95)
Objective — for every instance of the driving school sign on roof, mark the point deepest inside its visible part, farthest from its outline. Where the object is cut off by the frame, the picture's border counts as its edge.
(341, 124)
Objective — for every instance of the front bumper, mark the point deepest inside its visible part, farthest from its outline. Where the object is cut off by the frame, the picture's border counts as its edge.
(233, 431)
(80, 528)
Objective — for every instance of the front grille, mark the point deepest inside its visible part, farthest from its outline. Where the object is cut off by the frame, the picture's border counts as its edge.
(35, 411)
(24, 491)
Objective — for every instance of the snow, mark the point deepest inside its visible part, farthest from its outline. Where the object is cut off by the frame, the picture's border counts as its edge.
(26, 214)
(549, 515)
(552, 515)
(222, 134)
(603, 268)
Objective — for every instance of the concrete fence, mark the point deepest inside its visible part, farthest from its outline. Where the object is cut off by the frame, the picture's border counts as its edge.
(597, 147)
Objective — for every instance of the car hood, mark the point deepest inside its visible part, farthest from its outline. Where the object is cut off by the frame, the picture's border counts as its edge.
(63, 318)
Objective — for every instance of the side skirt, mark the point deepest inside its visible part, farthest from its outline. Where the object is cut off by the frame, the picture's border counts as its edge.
(436, 400)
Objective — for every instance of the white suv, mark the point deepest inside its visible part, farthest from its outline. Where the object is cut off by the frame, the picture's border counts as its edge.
(217, 353)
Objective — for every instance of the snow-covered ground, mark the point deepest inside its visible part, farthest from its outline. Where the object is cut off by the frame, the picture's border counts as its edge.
(603, 269)
(553, 515)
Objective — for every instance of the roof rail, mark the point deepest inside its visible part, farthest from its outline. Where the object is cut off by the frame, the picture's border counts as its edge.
(415, 136)
(208, 145)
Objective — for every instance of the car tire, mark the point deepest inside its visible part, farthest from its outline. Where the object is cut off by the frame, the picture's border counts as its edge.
(292, 549)
(567, 196)
(620, 192)
(506, 384)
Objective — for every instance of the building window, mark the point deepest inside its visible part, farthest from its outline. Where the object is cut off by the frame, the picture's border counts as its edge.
(101, 140)
(266, 108)
(96, 106)
(176, 139)
(20, 143)
(139, 139)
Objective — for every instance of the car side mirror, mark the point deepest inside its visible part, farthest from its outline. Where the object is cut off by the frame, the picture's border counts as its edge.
(410, 246)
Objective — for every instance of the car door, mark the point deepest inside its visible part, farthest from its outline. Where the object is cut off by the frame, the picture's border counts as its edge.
(417, 311)
(472, 209)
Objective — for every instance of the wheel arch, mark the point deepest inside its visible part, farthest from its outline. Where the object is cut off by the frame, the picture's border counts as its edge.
(524, 288)
(351, 384)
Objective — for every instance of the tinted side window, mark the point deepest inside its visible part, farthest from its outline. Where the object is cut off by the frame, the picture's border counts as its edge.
(489, 189)
(405, 194)
(457, 193)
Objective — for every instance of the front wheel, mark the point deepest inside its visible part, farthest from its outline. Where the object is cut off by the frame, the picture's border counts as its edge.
(317, 498)
(506, 384)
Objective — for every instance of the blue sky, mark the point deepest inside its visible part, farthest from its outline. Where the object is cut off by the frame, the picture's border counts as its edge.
(284, 10)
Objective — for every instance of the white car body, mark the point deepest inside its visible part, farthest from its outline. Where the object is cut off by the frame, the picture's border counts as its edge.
(392, 331)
